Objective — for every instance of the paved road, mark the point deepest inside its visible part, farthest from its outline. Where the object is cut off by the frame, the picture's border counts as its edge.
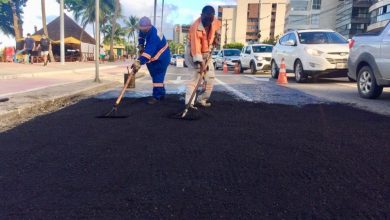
(289, 156)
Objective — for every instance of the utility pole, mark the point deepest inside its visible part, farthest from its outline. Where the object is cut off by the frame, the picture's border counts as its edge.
(226, 25)
(97, 40)
(62, 33)
(162, 16)
(154, 15)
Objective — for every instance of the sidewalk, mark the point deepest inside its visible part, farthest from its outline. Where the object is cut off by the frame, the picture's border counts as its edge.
(52, 87)
(18, 70)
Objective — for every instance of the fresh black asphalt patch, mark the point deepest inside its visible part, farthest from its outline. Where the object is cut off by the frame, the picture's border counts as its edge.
(240, 161)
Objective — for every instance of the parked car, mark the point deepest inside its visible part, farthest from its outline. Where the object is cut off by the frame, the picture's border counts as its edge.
(369, 62)
(173, 59)
(256, 57)
(231, 56)
(311, 53)
(214, 56)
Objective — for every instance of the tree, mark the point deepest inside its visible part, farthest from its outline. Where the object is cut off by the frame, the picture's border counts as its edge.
(84, 12)
(44, 25)
(114, 27)
(11, 22)
(271, 40)
(176, 47)
(131, 27)
(119, 34)
(234, 46)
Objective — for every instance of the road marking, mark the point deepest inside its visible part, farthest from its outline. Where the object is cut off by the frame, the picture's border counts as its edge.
(348, 85)
(177, 81)
(262, 79)
(234, 91)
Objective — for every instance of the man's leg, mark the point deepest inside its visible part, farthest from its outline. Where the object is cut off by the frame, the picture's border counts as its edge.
(157, 71)
(210, 78)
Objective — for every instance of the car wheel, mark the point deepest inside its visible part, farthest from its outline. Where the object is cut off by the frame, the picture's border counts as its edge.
(300, 75)
(253, 68)
(240, 67)
(367, 85)
(274, 70)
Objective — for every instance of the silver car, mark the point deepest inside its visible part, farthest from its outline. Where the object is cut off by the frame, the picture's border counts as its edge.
(230, 56)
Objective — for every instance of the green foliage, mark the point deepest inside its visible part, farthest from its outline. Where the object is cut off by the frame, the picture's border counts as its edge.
(131, 28)
(272, 41)
(6, 18)
(176, 48)
(119, 35)
(233, 46)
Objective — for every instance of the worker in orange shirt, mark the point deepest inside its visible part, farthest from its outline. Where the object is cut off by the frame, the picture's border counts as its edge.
(204, 32)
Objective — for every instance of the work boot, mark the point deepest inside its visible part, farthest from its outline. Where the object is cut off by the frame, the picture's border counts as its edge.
(153, 100)
(204, 103)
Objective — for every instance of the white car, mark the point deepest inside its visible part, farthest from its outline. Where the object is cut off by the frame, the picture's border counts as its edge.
(230, 56)
(256, 57)
(311, 53)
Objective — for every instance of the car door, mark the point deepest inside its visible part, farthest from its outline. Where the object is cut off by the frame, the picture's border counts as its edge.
(279, 50)
(219, 62)
(291, 52)
(247, 56)
(242, 56)
(384, 66)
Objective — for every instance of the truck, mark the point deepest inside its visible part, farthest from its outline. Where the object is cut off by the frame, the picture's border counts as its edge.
(369, 61)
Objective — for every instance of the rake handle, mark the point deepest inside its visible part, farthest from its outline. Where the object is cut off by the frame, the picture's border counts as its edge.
(131, 75)
(200, 80)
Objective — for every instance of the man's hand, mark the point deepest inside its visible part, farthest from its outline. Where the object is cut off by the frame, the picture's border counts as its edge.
(202, 67)
(141, 49)
(136, 66)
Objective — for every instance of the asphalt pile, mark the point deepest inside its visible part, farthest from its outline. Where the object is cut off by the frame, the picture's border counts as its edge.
(240, 160)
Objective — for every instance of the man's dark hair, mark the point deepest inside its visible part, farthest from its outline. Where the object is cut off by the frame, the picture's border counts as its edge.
(208, 10)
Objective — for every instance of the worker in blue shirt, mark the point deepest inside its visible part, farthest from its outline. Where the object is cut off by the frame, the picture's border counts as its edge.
(155, 53)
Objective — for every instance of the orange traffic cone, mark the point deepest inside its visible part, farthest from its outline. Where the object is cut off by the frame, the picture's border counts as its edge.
(282, 79)
(225, 68)
(236, 69)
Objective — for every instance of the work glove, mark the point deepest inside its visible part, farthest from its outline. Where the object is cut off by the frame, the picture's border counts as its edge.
(136, 66)
(141, 49)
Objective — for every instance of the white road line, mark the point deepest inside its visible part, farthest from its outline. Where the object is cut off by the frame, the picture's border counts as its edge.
(263, 79)
(348, 85)
(234, 91)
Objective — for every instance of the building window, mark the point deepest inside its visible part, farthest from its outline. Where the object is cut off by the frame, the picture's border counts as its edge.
(274, 6)
(315, 19)
(316, 4)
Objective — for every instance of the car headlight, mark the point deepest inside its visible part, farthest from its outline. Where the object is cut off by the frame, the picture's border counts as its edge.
(313, 52)
(259, 58)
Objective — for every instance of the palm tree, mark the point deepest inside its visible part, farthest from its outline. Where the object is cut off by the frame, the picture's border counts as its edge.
(119, 34)
(114, 25)
(44, 25)
(84, 12)
(131, 27)
(16, 18)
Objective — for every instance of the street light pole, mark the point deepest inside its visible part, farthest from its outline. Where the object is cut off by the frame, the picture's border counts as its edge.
(62, 33)
(162, 16)
(97, 40)
(155, 9)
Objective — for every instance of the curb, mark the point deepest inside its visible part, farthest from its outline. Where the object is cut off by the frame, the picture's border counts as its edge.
(27, 112)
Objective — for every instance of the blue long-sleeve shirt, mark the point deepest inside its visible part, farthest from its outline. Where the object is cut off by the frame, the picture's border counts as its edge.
(154, 43)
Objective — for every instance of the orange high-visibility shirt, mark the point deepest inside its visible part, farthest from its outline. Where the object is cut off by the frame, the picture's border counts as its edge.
(198, 39)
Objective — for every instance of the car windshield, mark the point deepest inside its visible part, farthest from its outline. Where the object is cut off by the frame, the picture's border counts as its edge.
(230, 53)
(321, 38)
(215, 52)
(262, 49)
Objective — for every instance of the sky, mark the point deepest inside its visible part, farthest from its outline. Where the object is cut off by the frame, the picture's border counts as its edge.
(175, 12)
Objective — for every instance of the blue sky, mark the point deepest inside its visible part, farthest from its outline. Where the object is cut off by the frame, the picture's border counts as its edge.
(175, 12)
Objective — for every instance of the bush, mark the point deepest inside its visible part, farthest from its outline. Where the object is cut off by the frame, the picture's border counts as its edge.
(234, 46)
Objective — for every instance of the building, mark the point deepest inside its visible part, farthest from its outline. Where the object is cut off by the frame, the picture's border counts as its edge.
(352, 17)
(227, 14)
(180, 33)
(252, 20)
(311, 14)
(379, 14)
